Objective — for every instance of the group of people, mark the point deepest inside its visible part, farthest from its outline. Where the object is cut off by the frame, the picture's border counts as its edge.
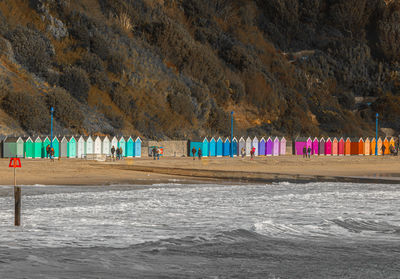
(307, 152)
(118, 153)
(199, 153)
(50, 152)
(156, 152)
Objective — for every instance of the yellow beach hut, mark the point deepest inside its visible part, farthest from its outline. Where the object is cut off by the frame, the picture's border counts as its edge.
(379, 144)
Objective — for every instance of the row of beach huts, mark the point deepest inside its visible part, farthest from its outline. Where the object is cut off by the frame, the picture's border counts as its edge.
(68, 146)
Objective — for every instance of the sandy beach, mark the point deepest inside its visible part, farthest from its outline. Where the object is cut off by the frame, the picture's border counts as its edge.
(147, 171)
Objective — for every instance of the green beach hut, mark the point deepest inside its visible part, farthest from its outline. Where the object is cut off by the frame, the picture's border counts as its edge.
(56, 147)
(130, 146)
(71, 153)
(13, 147)
(28, 147)
(122, 144)
(37, 147)
(45, 143)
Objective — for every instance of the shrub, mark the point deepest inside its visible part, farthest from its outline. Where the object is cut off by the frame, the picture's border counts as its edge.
(181, 104)
(389, 32)
(101, 80)
(99, 46)
(76, 81)
(115, 63)
(30, 111)
(66, 108)
(31, 49)
(91, 63)
(124, 100)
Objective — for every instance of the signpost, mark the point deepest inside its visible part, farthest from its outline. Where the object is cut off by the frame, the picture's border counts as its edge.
(16, 163)
(231, 134)
(376, 139)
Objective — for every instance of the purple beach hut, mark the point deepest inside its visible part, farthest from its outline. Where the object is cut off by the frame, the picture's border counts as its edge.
(282, 146)
(276, 147)
(269, 147)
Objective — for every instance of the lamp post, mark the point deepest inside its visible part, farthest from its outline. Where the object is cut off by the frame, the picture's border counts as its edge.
(51, 133)
(376, 139)
(231, 134)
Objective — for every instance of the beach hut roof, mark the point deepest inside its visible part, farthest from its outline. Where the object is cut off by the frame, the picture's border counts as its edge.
(315, 139)
(234, 139)
(360, 139)
(242, 139)
(269, 139)
(138, 138)
(212, 138)
(283, 139)
(322, 139)
(64, 139)
(121, 138)
(25, 139)
(87, 137)
(301, 139)
(219, 138)
(255, 138)
(276, 138)
(104, 137)
(70, 137)
(12, 139)
(227, 139)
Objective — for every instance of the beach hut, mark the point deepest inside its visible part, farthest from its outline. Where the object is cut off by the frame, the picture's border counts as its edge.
(328, 147)
(309, 143)
(105, 145)
(212, 147)
(335, 147)
(379, 144)
(45, 143)
(56, 146)
(28, 147)
(367, 147)
(71, 153)
(114, 143)
(255, 146)
(249, 143)
(97, 145)
(235, 147)
(13, 147)
(321, 148)
(130, 145)
(342, 147)
(64, 148)
(276, 147)
(122, 144)
(386, 143)
(299, 145)
(220, 147)
(373, 146)
(242, 145)
(354, 146)
(360, 149)
(138, 148)
(315, 147)
(227, 147)
(269, 147)
(262, 147)
(80, 147)
(195, 143)
(205, 147)
(37, 147)
(89, 145)
(282, 146)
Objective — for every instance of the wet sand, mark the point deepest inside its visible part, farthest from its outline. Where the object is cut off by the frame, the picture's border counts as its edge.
(147, 171)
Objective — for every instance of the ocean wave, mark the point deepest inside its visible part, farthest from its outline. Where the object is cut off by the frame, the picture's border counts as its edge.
(358, 225)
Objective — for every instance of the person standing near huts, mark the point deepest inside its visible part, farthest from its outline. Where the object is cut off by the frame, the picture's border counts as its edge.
(117, 153)
(154, 152)
(121, 153)
(252, 153)
(48, 151)
(383, 148)
(305, 151)
(199, 153)
(112, 152)
(243, 152)
(309, 151)
(194, 153)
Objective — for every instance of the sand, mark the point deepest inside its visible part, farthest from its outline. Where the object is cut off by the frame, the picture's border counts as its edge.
(147, 171)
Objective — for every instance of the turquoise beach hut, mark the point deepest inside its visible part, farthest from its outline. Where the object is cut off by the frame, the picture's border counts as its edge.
(130, 145)
(28, 147)
(71, 147)
(235, 147)
(137, 149)
(195, 143)
(37, 148)
(212, 147)
(220, 147)
(205, 147)
(122, 144)
(56, 147)
(227, 147)
(45, 143)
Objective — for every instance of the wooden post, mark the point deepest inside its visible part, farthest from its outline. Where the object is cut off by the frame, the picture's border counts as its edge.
(17, 201)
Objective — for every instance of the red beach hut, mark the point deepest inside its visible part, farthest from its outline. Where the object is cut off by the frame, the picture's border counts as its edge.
(328, 147)
(341, 147)
(315, 147)
(347, 147)
(335, 147)
(360, 149)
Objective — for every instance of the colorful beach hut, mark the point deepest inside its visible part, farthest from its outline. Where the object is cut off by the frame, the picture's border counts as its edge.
(122, 144)
(28, 147)
(105, 145)
(205, 147)
(335, 147)
(197, 144)
(227, 147)
(37, 147)
(386, 143)
(342, 148)
(359, 147)
(299, 145)
(56, 147)
(235, 147)
(328, 147)
(220, 147)
(392, 143)
(80, 147)
(129, 147)
(45, 143)
(321, 148)
(379, 144)
(282, 146)
(309, 143)
(367, 147)
(249, 142)
(212, 146)
(276, 147)
(97, 145)
(64, 147)
(71, 147)
(262, 147)
(269, 147)
(315, 146)
(373, 146)
(13, 147)
(138, 148)
(255, 146)
(354, 145)
(114, 143)
(242, 145)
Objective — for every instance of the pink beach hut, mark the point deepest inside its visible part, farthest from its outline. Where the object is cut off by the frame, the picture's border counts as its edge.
(335, 147)
(341, 146)
(276, 147)
(328, 147)
(367, 147)
(315, 147)
(309, 143)
(269, 147)
(282, 146)
(299, 144)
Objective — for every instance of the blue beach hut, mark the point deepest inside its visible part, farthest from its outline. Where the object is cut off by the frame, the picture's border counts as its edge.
(220, 147)
(195, 143)
(227, 147)
(212, 147)
(261, 147)
(235, 147)
(205, 147)
(137, 149)
(130, 145)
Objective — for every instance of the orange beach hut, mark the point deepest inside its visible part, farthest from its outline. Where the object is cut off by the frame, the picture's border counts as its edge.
(335, 147)
(373, 145)
(386, 143)
(379, 144)
(360, 147)
(347, 147)
(367, 147)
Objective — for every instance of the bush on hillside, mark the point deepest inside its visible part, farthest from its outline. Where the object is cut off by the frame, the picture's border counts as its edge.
(91, 63)
(124, 100)
(101, 80)
(389, 32)
(76, 81)
(181, 104)
(99, 46)
(115, 63)
(30, 111)
(66, 108)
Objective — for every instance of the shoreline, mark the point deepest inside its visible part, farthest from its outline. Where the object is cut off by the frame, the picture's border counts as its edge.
(146, 171)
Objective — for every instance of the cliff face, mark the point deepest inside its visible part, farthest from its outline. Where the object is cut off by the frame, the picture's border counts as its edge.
(176, 68)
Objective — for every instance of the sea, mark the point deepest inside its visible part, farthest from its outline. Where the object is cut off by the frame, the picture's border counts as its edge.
(174, 230)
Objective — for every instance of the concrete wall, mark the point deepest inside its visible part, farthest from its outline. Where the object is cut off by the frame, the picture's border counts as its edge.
(173, 148)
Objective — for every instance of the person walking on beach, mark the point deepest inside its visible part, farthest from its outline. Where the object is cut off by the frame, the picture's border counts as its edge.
(117, 153)
(383, 148)
(52, 154)
(194, 153)
(154, 152)
(305, 151)
(243, 152)
(158, 151)
(252, 153)
(309, 152)
(200, 153)
(121, 153)
(47, 151)
(112, 153)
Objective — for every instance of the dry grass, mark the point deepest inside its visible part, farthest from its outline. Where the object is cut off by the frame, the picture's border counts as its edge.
(64, 55)
(18, 12)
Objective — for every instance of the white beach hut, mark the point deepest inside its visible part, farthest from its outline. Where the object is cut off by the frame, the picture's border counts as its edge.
(80, 150)
(97, 145)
